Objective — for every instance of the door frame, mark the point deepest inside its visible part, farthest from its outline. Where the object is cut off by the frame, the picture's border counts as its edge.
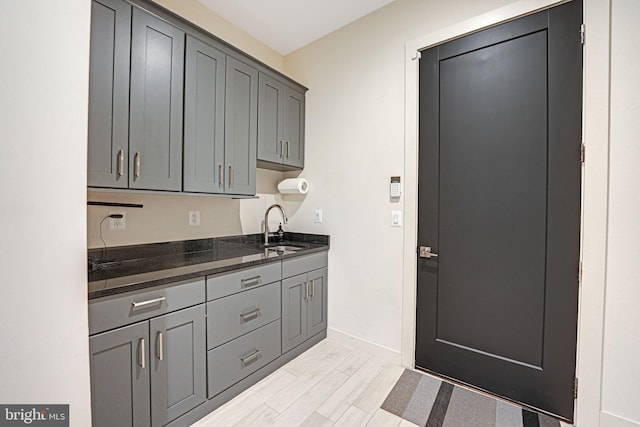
(595, 177)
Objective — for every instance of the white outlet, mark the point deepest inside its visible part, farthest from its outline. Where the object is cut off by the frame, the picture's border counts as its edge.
(194, 218)
(317, 216)
(117, 224)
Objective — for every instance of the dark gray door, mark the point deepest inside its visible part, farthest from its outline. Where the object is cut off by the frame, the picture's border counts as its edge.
(204, 118)
(178, 363)
(155, 125)
(120, 377)
(499, 203)
(241, 127)
(108, 138)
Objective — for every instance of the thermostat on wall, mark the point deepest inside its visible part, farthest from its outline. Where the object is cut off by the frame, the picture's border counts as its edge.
(394, 189)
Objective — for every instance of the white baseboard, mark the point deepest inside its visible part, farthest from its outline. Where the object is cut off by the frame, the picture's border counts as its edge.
(382, 352)
(610, 420)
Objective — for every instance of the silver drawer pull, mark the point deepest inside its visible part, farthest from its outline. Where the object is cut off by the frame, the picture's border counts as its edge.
(149, 302)
(251, 281)
(160, 347)
(248, 360)
(141, 353)
(253, 314)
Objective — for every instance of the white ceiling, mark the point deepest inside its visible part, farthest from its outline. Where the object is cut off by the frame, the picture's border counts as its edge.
(286, 25)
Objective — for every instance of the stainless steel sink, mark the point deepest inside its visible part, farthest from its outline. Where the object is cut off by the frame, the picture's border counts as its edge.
(283, 248)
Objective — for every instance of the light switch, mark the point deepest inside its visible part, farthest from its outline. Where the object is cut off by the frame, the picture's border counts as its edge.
(317, 216)
(396, 218)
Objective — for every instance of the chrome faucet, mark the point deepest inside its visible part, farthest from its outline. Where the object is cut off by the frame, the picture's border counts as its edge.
(266, 218)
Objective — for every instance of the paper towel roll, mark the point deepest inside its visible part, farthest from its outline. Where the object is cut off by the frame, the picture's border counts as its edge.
(293, 186)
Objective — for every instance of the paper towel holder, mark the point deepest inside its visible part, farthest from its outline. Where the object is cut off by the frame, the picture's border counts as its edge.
(299, 186)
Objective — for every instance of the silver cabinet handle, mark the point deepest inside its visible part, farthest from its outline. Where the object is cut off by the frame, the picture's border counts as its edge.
(282, 148)
(251, 281)
(141, 353)
(288, 153)
(313, 288)
(246, 361)
(136, 168)
(159, 347)
(425, 252)
(149, 302)
(250, 315)
(306, 290)
(230, 176)
(220, 177)
(121, 162)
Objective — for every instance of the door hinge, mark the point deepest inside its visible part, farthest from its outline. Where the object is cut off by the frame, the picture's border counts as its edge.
(575, 387)
(582, 152)
(579, 273)
(582, 34)
(416, 55)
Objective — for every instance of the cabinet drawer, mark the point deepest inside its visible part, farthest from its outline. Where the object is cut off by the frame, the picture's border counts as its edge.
(235, 315)
(303, 264)
(118, 310)
(233, 361)
(230, 283)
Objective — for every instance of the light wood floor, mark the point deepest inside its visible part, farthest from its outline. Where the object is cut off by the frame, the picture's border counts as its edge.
(329, 385)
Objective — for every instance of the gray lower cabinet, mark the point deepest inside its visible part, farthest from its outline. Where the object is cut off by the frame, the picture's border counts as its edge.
(204, 162)
(177, 363)
(108, 136)
(155, 119)
(281, 112)
(241, 122)
(304, 300)
(120, 392)
(152, 371)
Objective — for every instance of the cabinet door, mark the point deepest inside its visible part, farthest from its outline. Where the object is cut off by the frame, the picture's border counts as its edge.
(293, 128)
(294, 312)
(155, 125)
(120, 377)
(204, 118)
(241, 122)
(108, 137)
(178, 363)
(270, 119)
(317, 303)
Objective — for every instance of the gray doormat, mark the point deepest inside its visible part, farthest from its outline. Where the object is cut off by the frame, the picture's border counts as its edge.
(427, 401)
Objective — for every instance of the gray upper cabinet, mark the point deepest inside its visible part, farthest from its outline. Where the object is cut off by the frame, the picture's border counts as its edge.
(241, 119)
(155, 120)
(280, 125)
(120, 394)
(178, 363)
(204, 163)
(172, 108)
(108, 137)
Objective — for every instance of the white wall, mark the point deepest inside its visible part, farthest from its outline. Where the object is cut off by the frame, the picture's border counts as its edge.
(43, 108)
(621, 355)
(354, 144)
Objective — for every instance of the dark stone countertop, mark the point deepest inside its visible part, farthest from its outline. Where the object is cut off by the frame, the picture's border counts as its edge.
(129, 268)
